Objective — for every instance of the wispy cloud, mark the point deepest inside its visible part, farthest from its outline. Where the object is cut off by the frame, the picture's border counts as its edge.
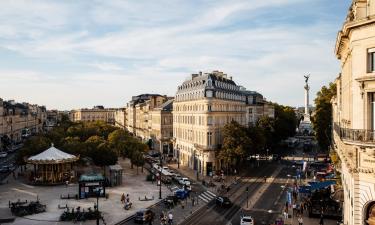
(126, 47)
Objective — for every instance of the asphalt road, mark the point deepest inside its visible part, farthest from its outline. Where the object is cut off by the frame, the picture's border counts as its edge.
(213, 214)
(270, 204)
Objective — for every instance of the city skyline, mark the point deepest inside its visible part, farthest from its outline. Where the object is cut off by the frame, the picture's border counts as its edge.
(76, 55)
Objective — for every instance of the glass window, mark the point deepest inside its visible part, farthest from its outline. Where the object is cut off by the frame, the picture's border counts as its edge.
(371, 60)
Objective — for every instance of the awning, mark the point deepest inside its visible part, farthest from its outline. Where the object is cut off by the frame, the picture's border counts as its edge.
(321, 185)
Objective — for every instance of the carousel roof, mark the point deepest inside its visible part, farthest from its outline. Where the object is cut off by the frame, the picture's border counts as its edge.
(52, 155)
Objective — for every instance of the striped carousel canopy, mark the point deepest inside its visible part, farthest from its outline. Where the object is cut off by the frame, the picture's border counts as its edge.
(52, 156)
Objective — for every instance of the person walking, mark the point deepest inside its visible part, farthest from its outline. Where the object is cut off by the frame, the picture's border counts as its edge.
(300, 220)
(123, 198)
(170, 218)
(321, 222)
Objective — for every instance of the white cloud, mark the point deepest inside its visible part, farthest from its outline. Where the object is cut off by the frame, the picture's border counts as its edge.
(143, 46)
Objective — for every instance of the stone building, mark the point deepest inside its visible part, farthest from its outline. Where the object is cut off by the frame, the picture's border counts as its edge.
(139, 114)
(161, 131)
(202, 106)
(20, 120)
(121, 118)
(97, 113)
(354, 112)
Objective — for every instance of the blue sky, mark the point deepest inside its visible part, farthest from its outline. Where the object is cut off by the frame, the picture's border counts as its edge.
(74, 54)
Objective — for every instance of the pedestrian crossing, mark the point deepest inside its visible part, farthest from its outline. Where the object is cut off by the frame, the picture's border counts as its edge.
(207, 196)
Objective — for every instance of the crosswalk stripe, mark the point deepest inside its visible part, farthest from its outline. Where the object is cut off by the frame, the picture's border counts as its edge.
(203, 198)
(210, 193)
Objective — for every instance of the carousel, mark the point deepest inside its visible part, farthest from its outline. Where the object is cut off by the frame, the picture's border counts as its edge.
(52, 166)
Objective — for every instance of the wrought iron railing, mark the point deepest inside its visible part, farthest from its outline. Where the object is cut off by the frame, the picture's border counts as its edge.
(360, 135)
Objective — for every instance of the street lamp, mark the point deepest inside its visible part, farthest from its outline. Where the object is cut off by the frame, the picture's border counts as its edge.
(178, 158)
(161, 168)
(97, 205)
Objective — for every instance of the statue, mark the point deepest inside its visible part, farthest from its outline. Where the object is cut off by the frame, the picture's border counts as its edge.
(306, 78)
(371, 216)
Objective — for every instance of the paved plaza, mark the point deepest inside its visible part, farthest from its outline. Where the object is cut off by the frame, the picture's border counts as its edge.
(134, 185)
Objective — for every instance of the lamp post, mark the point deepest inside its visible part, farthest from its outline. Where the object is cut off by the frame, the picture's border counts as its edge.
(161, 168)
(178, 158)
(247, 197)
(97, 205)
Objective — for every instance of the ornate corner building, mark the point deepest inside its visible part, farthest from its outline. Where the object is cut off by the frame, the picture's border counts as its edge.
(354, 112)
(202, 106)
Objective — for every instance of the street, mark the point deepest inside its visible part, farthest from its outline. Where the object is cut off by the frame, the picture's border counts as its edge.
(254, 181)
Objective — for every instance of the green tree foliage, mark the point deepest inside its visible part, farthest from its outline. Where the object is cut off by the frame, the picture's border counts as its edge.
(322, 120)
(236, 143)
(97, 140)
(32, 146)
(103, 155)
(138, 159)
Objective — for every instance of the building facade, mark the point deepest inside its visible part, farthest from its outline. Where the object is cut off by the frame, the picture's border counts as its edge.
(121, 118)
(20, 120)
(202, 106)
(139, 112)
(97, 113)
(161, 132)
(354, 112)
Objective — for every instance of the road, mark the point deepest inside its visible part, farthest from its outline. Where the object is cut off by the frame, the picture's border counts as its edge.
(254, 181)
(270, 204)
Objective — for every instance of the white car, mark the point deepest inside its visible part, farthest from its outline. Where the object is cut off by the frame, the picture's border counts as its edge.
(184, 181)
(3, 154)
(247, 220)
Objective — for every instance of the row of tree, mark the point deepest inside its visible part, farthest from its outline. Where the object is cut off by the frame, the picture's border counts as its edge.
(241, 141)
(98, 141)
(322, 119)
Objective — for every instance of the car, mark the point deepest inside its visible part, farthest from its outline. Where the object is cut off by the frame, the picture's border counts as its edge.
(177, 177)
(144, 216)
(247, 220)
(223, 201)
(171, 200)
(3, 154)
(4, 169)
(184, 181)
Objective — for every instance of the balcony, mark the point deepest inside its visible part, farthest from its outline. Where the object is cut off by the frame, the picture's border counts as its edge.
(355, 135)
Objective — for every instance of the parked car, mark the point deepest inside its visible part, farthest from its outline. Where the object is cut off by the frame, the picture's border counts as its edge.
(3, 154)
(184, 181)
(144, 215)
(182, 193)
(177, 177)
(247, 220)
(223, 201)
(171, 200)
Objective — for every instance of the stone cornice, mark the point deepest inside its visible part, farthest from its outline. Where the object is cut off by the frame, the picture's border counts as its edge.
(343, 35)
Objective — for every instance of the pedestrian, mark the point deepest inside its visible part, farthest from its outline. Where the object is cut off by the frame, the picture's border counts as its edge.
(192, 201)
(170, 218)
(300, 220)
(162, 218)
(127, 198)
(66, 183)
(321, 222)
(123, 198)
(294, 209)
(285, 215)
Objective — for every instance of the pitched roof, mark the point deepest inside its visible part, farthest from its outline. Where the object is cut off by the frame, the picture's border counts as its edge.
(52, 155)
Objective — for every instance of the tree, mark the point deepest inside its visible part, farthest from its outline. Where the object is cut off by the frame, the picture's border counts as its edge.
(117, 140)
(322, 120)
(103, 155)
(32, 146)
(138, 159)
(236, 143)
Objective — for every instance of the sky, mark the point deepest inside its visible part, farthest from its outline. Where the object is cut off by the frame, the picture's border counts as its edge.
(77, 54)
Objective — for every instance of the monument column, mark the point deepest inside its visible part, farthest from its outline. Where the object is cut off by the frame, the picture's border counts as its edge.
(307, 90)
